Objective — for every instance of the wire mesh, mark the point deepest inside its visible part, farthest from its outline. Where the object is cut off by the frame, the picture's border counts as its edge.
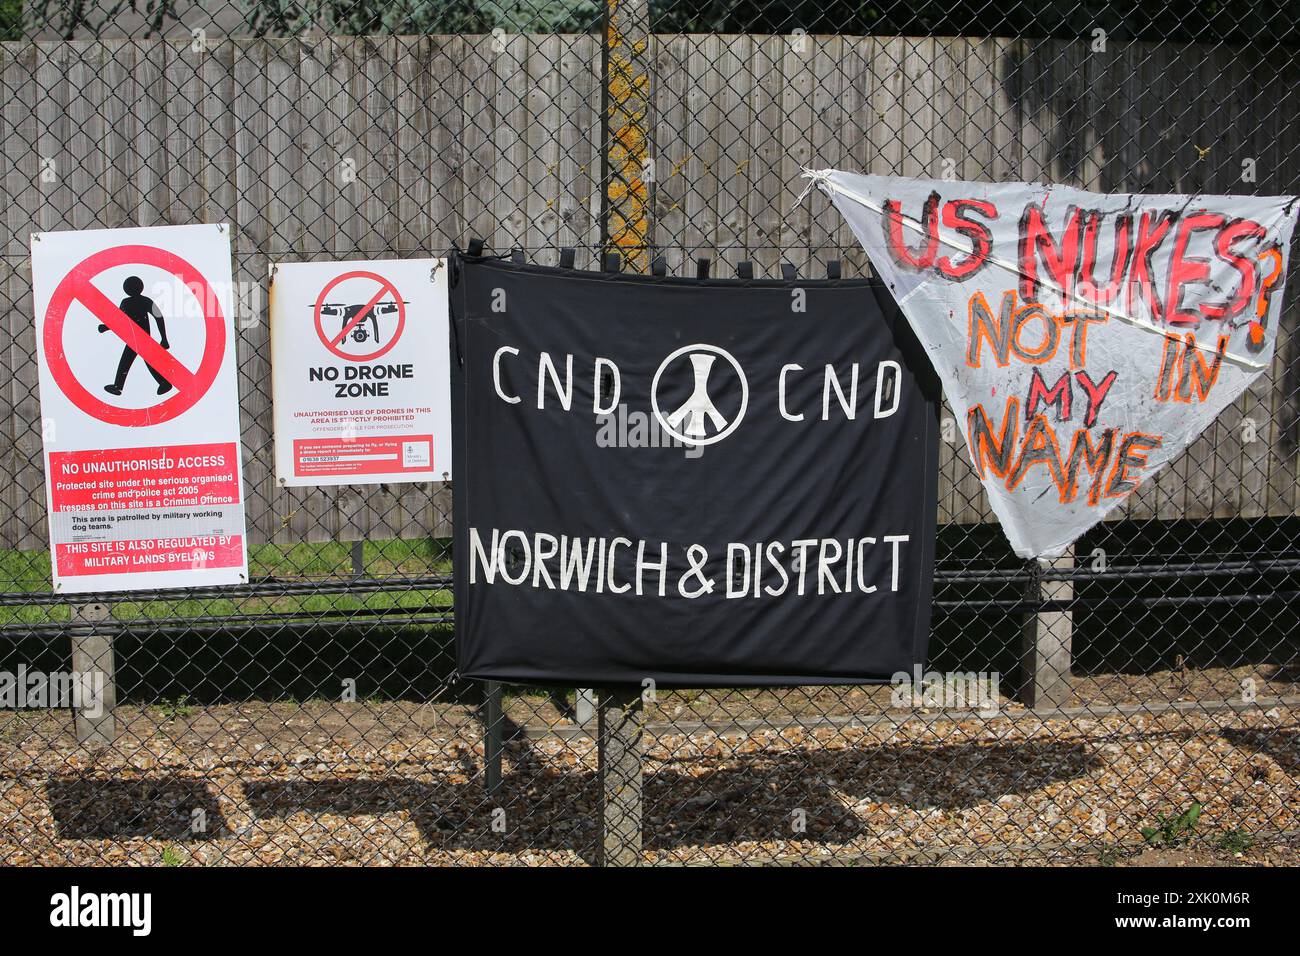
(1078, 711)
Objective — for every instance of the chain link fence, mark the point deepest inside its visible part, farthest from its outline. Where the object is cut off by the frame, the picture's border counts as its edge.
(1135, 697)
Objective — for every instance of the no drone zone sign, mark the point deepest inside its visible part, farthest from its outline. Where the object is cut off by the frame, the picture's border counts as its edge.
(139, 408)
(361, 372)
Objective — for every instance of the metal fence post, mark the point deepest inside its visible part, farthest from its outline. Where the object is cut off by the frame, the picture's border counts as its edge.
(94, 717)
(492, 743)
(1046, 642)
(619, 726)
(359, 558)
(584, 706)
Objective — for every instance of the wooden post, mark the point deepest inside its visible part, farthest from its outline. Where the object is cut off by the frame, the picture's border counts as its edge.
(492, 743)
(1046, 644)
(619, 725)
(94, 721)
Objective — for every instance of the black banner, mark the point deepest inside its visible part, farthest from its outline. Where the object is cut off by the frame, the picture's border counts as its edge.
(704, 483)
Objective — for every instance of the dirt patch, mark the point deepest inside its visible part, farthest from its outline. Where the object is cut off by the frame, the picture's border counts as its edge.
(402, 783)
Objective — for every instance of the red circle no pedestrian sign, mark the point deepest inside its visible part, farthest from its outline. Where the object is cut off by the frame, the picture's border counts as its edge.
(188, 385)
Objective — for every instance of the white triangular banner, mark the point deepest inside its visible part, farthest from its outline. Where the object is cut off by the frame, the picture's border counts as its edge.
(1083, 339)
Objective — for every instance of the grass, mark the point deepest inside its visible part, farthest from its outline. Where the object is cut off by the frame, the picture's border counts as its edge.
(177, 709)
(1173, 830)
(1111, 856)
(1235, 841)
(29, 572)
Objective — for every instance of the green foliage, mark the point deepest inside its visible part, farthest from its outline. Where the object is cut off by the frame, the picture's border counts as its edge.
(420, 17)
(1235, 841)
(1173, 831)
(172, 857)
(543, 16)
(397, 559)
(11, 19)
(175, 709)
(1267, 22)
(78, 20)
(1110, 856)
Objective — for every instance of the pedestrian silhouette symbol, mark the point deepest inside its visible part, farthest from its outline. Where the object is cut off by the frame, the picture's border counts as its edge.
(138, 308)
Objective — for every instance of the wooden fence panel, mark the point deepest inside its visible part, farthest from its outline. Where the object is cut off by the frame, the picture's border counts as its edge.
(361, 147)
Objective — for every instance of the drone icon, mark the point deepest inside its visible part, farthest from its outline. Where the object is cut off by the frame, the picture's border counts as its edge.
(346, 313)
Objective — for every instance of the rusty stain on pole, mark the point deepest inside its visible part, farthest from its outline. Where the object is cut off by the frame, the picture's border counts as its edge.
(627, 102)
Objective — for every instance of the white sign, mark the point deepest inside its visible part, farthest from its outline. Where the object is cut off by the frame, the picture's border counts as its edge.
(135, 347)
(1084, 340)
(361, 372)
